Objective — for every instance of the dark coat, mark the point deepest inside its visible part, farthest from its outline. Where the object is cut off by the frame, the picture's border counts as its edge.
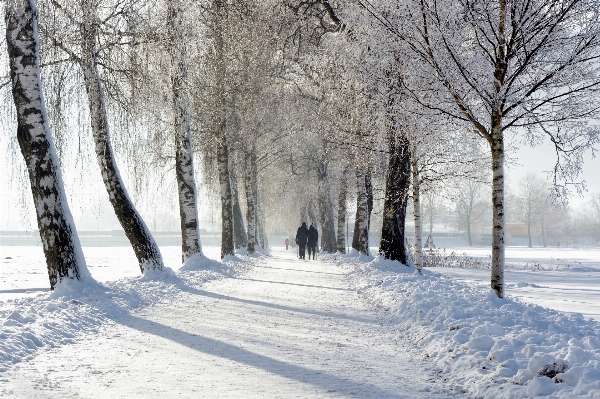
(313, 237)
(301, 235)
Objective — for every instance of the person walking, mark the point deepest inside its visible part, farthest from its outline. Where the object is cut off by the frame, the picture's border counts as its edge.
(287, 243)
(301, 238)
(313, 238)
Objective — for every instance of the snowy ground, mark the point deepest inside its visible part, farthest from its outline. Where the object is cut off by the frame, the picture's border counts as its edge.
(488, 347)
(343, 326)
(23, 268)
(284, 329)
(566, 279)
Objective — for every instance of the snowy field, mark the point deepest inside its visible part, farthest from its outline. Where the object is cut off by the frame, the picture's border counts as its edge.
(565, 279)
(277, 327)
(23, 268)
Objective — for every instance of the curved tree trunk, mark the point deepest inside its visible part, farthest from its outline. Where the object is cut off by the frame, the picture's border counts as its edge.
(184, 165)
(392, 244)
(144, 246)
(64, 258)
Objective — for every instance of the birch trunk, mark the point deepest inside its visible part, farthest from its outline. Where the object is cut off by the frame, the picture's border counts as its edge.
(369, 189)
(144, 246)
(240, 239)
(341, 222)
(497, 147)
(259, 233)
(328, 242)
(361, 230)
(262, 235)
(416, 181)
(227, 246)
(64, 258)
(496, 141)
(250, 202)
(369, 204)
(184, 165)
(392, 245)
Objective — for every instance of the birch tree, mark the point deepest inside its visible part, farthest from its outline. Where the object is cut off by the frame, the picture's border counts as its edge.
(64, 258)
(509, 65)
(142, 242)
(184, 164)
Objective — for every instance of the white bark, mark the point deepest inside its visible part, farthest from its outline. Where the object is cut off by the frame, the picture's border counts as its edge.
(416, 180)
(142, 242)
(64, 258)
(362, 212)
(497, 147)
(184, 160)
(250, 202)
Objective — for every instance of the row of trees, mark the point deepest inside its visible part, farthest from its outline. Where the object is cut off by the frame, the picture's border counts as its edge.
(533, 218)
(297, 107)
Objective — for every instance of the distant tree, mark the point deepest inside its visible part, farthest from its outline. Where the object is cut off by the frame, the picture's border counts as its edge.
(533, 196)
(591, 211)
(470, 206)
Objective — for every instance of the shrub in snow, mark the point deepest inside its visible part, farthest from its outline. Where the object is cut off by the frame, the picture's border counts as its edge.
(537, 362)
(439, 258)
(550, 370)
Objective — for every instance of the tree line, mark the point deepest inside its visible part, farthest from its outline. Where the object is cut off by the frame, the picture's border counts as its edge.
(290, 109)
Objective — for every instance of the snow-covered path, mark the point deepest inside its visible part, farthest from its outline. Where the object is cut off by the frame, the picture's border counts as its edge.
(286, 329)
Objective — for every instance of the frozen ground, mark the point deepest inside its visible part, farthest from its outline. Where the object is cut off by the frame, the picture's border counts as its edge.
(566, 279)
(283, 329)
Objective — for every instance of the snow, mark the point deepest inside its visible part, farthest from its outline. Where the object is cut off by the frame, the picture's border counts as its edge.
(486, 346)
(566, 279)
(275, 326)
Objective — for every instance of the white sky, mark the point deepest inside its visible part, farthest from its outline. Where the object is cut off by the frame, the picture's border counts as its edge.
(536, 160)
(542, 158)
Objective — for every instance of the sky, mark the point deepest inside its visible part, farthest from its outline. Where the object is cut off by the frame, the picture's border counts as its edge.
(541, 158)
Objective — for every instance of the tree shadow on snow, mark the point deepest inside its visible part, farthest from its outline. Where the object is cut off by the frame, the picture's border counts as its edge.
(213, 347)
(297, 284)
(277, 306)
(298, 270)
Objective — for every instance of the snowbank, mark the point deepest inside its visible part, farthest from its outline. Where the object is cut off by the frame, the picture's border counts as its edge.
(67, 314)
(484, 346)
